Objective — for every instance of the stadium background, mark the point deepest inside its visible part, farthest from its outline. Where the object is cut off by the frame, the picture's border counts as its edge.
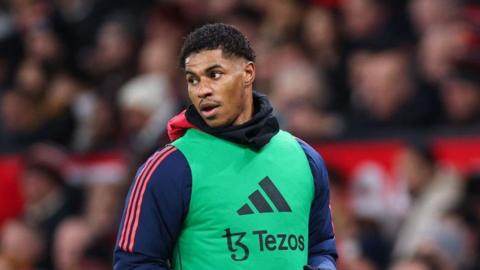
(387, 91)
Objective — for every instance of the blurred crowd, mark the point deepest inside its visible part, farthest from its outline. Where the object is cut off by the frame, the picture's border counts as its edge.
(87, 76)
(424, 215)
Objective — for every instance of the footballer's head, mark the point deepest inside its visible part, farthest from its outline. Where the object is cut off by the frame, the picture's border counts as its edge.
(219, 67)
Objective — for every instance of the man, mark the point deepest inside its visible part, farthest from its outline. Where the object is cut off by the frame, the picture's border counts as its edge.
(231, 191)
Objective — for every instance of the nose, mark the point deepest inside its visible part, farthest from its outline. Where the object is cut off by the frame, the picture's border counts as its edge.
(204, 90)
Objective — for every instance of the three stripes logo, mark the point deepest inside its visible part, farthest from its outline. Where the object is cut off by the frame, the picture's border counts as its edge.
(261, 204)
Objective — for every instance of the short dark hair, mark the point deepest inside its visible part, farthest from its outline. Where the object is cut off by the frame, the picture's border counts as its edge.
(217, 36)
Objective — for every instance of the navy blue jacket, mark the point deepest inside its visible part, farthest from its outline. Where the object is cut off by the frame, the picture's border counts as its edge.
(164, 205)
(159, 198)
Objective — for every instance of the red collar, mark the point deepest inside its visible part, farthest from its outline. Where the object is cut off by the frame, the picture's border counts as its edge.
(178, 125)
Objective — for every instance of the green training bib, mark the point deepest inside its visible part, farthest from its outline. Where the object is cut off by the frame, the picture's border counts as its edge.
(248, 210)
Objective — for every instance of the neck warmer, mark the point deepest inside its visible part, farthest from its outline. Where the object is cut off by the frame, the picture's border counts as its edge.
(255, 133)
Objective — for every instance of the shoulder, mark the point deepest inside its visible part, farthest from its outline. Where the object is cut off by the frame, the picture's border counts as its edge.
(285, 138)
(313, 155)
(166, 156)
(317, 165)
(167, 165)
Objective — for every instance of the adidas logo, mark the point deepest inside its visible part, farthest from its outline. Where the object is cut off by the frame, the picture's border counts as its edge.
(261, 204)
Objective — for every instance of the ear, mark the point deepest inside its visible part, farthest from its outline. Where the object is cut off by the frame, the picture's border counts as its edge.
(248, 74)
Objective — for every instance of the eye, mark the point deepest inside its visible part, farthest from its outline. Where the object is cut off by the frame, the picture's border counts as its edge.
(215, 74)
(192, 80)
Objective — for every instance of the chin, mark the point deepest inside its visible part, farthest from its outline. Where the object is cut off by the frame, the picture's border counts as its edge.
(215, 123)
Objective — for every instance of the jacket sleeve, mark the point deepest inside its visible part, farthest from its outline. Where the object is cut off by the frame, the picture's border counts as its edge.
(322, 253)
(155, 208)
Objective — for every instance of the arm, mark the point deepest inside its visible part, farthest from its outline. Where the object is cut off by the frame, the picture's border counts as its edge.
(155, 208)
(322, 253)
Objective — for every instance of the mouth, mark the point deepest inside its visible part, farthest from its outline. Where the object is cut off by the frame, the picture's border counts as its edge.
(209, 109)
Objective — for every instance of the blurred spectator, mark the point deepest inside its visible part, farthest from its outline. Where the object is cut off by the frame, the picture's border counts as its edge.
(102, 212)
(281, 20)
(272, 59)
(434, 190)
(76, 19)
(158, 57)
(99, 127)
(439, 48)
(47, 199)
(363, 18)
(300, 96)
(374, 206)
(72, 239)
(366, 24)
(32, 78)
(113, 61)
(461, 97)
(164, 21)
(146, 104)
(321, 37)
(29, 15)
(58, 119)
(20, 121)
(246, 19)
(21, 246)
(103, 208)
(375, 197)
(385, 95)
(447, 241)
(29, 116)
(428, 14)
(44, 46)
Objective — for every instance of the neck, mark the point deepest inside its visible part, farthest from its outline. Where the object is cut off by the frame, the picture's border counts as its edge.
(247, 112)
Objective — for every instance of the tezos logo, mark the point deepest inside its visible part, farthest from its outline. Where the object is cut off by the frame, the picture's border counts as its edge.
(266, 242)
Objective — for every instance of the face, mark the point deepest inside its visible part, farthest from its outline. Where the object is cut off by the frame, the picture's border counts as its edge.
(415, 171)
(36, 186)
(220, 87)
(461, 100)
(71, 241)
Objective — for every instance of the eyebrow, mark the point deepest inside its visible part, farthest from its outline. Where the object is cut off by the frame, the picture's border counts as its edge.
(214, 66)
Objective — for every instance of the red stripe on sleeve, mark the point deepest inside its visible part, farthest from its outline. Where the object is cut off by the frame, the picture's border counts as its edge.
(134, 196)
(137, 207)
